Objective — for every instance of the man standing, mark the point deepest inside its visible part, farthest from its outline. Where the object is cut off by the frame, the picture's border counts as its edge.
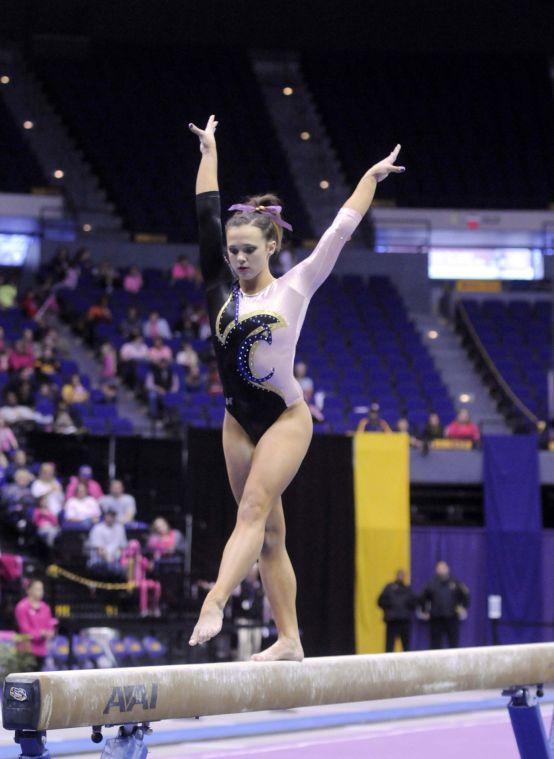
(444, 603)
(398, 602)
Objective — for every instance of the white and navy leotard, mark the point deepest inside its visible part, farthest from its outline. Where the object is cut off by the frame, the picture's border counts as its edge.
(255, 336)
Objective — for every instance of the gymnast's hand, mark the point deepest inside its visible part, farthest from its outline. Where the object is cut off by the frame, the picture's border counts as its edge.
(207, 135)
(385, 167)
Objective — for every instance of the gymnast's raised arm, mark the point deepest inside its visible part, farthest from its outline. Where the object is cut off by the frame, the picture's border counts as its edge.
(208, 209)
(310, 273)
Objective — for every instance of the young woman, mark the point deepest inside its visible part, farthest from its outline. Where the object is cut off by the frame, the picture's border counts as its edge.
(256, 320)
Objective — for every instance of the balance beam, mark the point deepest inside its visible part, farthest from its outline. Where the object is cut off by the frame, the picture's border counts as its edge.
(52, 700)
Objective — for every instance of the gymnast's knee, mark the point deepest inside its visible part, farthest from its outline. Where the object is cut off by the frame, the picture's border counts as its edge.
(254, 506)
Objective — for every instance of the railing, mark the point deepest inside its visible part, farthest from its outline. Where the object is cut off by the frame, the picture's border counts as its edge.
(497, 376)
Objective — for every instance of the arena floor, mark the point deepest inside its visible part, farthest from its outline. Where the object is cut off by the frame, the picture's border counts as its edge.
(431, 727)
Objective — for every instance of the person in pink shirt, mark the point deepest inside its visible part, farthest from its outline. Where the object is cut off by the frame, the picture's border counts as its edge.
(109, 360)
(34, 619)
(46, 522)
(164, 540)
(20, 357)
(183, 269)
(462, 428)
(84, 476)
(160, 352)
(8, 441)
(133, 280)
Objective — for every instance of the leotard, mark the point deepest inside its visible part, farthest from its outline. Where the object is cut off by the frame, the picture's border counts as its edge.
(255, 336)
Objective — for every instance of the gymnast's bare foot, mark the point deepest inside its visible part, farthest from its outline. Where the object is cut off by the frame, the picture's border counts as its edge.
(285, 649)
(209, 622)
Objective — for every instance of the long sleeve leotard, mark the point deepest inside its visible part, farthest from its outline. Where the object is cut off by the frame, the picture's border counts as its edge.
(255, 336)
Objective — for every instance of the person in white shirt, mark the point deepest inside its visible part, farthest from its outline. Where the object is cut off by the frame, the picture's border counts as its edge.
(82, 508)
(46, 485)
(121, 503)
(107, 540)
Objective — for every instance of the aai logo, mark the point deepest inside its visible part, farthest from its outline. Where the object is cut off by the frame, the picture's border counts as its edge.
(127, 697)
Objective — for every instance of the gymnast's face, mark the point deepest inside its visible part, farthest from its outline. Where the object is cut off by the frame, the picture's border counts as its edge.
(248, 251)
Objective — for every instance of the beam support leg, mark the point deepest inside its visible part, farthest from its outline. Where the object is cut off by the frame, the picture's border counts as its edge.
(33, 744)
(128, 744)
(527, 723)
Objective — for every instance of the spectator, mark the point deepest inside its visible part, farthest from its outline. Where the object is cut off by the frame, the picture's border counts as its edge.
(109, 391)
(193, 379)
(14, 413)
(133, 280)
(160, 352)
(433, 429)
(8, 441)
(18, 492)
(3, 468)
(8, 292)
(25, 392)
(74, 391)
(100, 311)
(373, 422)
(134, 350)
(19, 460)
(121, 503)
(47, 488)
(160, 381)
(107, 276)
(164, 540)
(82, 260)
(462, 428)
(318, 416)
(286, 258)
(403, 425)
(59, 264)
(45, 522)
(203, 322)
(132, 322)
(35, 621)
(213, 380)
(46, 365)
(187, 356)
(106, 541)
(444, 603)
(109, 360)
(30, 304)
(3, 344)
(185, 327)
(21, 357)
(4, 360)
(81, 509)
(66, 420)
(182, 269)
(398, 602)
(84, 477)
(156, 326)
(301, 374)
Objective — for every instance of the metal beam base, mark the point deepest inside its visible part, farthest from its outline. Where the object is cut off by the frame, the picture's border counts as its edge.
(527, 723)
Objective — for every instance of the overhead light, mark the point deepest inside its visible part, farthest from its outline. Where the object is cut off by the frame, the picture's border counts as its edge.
(287, 90)
(28, 125)
(324, 184)
(4, 79)
(58, 173)
(465, 398)
(87, 228)
(432, 334)
(305, 136)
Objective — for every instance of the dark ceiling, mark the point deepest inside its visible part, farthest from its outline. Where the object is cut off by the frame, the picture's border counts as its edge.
(374, 24)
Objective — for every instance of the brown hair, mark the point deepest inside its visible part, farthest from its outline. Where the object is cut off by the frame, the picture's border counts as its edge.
(270, 230)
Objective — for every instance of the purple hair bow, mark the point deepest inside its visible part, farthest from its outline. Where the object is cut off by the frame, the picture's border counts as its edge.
(271, 211)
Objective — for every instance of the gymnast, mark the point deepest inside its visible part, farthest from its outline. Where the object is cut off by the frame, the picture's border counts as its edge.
(256, 321)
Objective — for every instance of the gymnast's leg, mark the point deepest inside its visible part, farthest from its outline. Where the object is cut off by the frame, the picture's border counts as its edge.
(275, 461)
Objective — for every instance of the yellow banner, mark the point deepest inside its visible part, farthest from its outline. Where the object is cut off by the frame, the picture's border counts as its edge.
(478, 286)
(382, 512)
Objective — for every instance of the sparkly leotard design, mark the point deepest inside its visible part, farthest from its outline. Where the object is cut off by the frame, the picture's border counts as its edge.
(255, 336)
